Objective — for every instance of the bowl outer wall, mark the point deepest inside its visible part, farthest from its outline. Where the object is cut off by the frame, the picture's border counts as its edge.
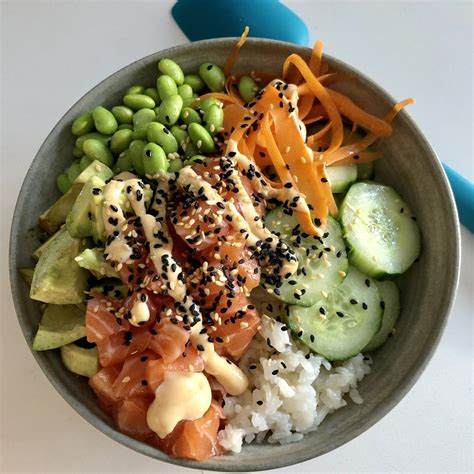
(427, 289)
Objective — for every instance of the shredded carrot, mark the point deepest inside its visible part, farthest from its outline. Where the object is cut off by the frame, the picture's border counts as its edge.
(229, 64)
(316, 58)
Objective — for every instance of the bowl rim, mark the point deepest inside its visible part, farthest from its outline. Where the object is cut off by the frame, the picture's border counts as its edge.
(379, 411)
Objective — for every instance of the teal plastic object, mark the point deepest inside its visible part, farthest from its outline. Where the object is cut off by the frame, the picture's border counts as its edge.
(204, 19)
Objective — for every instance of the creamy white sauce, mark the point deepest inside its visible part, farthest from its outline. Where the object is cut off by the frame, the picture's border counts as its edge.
(181, 396)
(139, 312)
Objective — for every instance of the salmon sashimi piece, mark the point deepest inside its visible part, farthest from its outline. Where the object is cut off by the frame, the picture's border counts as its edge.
(117, 347)
(130, 417)
(101, 321)
(194, 439)
(131, 381)
(102, 384)
(155, 370)
(170, 339)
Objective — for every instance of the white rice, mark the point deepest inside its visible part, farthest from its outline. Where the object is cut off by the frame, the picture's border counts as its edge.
(296, 399)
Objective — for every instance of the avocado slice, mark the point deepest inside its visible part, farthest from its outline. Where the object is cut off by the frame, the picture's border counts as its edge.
(94, 261)
(60, 325)
(96, 168)
(26, 275)
(78, 221)
(52, 219)
(80, 360)
(97, 205)
(42, 248)
(57, 278)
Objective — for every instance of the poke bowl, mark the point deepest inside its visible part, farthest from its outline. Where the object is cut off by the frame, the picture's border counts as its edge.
(426, 289)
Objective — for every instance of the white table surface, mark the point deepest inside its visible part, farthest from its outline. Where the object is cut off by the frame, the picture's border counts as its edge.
(53, 52)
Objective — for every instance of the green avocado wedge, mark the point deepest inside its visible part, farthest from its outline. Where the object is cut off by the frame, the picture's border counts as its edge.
(57, 278)
(94, 261)
(80, 360)
(60, 325)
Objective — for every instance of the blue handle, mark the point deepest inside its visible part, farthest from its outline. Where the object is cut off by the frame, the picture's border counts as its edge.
(202, 19)
(463, 191)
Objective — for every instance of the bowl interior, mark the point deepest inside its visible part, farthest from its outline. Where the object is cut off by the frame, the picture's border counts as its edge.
(409, 164)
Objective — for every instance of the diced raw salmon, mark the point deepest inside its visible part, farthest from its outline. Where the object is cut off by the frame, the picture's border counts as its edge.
(102, 384)
(101, 321)
(130, 417)
(170, 340)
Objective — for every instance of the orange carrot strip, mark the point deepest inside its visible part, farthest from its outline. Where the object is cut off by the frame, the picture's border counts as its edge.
(229, 64)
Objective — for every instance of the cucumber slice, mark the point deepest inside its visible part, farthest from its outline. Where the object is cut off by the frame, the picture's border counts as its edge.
(321, 261)
(60, 325)
(80, 360)
(383, 238)
(341, 177)
(390, 296)
(340, 326)
(365, 170)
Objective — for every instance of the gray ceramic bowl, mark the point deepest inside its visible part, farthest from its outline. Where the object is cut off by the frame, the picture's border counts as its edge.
(428, 288)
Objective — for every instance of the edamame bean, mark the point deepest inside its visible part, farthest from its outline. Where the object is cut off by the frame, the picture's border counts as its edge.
(153, 93)
(190, 150)
(213, 76)
(143, 116)
(136, 151)
(77, 152)
(195, 159)
(201, 138)
(205, 104)
(120, 141)
(124, 162)
(139, 101)
(214, 119)
(180, 134)
(189, 115)
(105, 139)
(186, 93)
(175, 165)
(96, 150)
(169, 110)
(154, 159)
(104, 120)
(159, 134)
(63, 183)
(166, 87)
(83, 124)
(172, 69)
(125, 126)
(73, 171)
(84, 162)
(247, 88)
(135, 90)
(195, 82)
(122, 114)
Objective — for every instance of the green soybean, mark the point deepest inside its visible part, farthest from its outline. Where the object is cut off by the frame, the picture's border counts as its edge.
(95, 135)
(73, 171)
(135, 152)
(122, 114)
(153, 93)
(63, 183)
(214, 119)
(195, 82)
(154, 159)
(83, 124)
(140, 132)
(247, 88)
(125, 126)
(77, 152)
(186, 93)
(194, 159)
(201, 138)
(190, 150)
(180, 134)
(139, 101)
(189, 115)
(135, 90)
(159, 134)
(120, 141)
(172, 69)
(169, 110)
(84, 162)
(96, 150)
(213, 76)
(104, 120)
(166, 87)
(124, 162)
(205, 104)
(141, 120)
(175, 165)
